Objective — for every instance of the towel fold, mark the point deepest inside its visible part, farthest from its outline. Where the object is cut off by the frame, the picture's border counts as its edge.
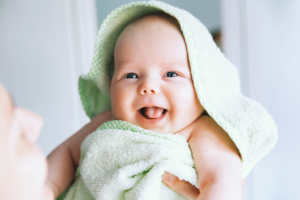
(122, 161)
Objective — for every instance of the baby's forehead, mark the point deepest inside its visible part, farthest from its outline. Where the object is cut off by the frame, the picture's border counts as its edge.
(155, 17)
(156, 28)
(159, 22)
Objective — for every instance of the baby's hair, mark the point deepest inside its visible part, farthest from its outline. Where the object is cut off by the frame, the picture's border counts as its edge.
(157, 16)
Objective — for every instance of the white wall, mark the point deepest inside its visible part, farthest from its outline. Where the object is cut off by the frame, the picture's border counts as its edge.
(43, 49)
(266, 49)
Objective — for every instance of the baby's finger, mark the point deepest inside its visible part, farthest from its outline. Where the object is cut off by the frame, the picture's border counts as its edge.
(182, 187)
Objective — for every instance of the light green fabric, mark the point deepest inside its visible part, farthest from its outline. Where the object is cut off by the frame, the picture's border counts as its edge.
(123, 161)
(93, 100)
(215, 79)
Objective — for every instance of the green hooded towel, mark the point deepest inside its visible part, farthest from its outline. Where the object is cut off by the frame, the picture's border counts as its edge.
(122, 161)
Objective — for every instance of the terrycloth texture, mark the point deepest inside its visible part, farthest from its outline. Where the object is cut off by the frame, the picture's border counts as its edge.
(124, 161)
(215, 80)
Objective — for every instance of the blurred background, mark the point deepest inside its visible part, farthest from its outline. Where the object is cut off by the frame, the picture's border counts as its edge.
(46, 45)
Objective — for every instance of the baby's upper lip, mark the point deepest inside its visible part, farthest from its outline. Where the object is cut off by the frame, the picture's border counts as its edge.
(151, 106)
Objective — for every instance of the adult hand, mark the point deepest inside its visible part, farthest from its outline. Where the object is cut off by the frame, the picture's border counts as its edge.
(182, 187)
(47, 194)
(24, 173)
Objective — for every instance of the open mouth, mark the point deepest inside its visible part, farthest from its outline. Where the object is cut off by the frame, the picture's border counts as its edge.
(153, 113)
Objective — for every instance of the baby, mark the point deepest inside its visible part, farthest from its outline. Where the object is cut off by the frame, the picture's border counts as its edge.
(152, 88)
(159, 89)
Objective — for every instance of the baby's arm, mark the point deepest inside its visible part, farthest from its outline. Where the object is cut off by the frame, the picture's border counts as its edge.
(217, 162)
(63, 161)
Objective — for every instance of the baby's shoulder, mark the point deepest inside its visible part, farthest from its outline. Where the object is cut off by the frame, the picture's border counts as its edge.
(200, 124)
(204, 122)
(203, 125)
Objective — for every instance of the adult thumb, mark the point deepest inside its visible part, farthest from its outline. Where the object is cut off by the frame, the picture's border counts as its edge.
(181, 186)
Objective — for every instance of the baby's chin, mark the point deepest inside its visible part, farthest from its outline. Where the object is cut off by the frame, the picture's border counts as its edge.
(163, 126)
(166, 128)
(162, 130)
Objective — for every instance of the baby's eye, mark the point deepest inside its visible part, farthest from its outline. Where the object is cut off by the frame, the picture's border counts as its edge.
(131, 75)
(171, 74)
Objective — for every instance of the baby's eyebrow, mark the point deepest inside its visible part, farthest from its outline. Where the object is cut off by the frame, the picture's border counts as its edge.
(124, 66)
(180, 66)
(174, 63)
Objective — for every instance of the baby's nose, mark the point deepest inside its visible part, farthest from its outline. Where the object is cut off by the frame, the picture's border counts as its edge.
(149, 87)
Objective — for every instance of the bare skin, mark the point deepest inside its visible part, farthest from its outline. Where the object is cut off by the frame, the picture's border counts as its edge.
(183, 187)
(23, 165)
(152, 88)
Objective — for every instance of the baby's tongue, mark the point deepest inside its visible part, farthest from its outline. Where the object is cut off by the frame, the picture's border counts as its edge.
(153, 112)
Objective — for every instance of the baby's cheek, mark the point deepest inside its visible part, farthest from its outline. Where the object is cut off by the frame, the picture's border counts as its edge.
(187, 105)
(121, 104)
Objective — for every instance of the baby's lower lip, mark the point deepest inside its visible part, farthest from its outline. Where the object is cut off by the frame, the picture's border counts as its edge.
(153, 120)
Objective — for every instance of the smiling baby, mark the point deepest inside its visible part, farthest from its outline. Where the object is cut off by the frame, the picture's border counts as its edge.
(151, 90)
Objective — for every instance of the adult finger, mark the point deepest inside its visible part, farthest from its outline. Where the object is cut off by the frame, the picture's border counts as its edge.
(47, 194)
(182, 187)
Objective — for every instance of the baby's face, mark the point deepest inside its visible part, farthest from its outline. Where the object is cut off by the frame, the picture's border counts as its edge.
(152, 85)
